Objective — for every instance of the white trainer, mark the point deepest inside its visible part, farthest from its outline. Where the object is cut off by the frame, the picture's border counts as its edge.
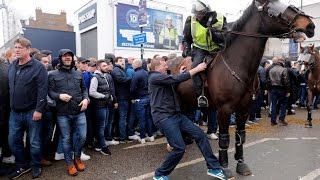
(142, 141)
(84, 157)
(150, 139)
(212, 136)
(134, 137)
(58, 156)
(113, 142)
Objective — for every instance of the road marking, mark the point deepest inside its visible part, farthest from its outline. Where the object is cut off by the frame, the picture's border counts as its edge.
(311, 175)
(156, 142)
(309, 138)
(148, 175)
(290, 138)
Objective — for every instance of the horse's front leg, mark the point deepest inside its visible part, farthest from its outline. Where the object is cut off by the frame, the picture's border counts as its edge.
(308, 123)
(242, 167)
(224, 141)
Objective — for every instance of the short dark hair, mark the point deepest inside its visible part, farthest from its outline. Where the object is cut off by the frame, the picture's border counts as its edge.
(117, 58)
(39, 56)
(100, 61)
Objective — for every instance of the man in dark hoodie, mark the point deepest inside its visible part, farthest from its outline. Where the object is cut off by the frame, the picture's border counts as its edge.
(67, 88)
(28, 93)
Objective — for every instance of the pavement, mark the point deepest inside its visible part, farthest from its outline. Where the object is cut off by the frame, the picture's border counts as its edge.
(272, 153)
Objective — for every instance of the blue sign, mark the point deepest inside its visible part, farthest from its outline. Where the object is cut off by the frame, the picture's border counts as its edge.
(139, 38)
(293, 48)
(159, 24)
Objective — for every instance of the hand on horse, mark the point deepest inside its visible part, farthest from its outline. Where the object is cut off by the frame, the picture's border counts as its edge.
(183, 69)
(199, 68)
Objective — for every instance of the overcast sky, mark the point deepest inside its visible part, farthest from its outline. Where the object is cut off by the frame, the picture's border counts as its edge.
(26, 8)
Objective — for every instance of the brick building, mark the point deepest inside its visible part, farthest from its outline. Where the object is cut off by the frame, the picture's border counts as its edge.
(49, 21)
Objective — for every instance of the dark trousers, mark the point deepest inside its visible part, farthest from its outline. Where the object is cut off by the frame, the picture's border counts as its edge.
(198, 56)
(4, 131)
(172, 127)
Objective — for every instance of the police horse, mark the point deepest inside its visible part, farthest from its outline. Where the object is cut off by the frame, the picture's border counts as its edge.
(231, 76)
(310, 56)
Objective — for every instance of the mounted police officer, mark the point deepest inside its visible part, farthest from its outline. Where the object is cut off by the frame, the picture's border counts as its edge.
(199, 33)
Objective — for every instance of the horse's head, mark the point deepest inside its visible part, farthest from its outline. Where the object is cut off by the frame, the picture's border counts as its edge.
(309, 55)
(282, 19)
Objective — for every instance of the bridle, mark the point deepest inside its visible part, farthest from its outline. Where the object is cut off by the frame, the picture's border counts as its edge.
(284, 14)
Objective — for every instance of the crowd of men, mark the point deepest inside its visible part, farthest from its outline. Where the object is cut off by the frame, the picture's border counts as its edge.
(62, 104)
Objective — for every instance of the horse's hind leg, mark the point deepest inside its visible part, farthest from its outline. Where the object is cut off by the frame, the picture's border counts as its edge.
(224, 141)
(242, 167)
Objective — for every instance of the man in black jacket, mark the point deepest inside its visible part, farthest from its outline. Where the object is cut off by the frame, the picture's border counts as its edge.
(171, 122)
(67, 88)
(28, 93)
(4, 113)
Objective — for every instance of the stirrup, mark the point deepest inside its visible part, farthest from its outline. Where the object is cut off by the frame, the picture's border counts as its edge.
(202, 101)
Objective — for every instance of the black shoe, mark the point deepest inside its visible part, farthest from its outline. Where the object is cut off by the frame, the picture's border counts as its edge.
(308, 124)
(291, 113)
(105, 151)
(19, 172)
(36, 172)
(202, 101)
(3, 171)
(283, 123)
(274, 123)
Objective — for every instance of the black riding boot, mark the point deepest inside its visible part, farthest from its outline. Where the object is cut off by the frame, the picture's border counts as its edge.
(198, 83)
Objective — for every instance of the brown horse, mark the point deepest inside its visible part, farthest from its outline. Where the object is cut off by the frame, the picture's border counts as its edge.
(231, 76)
(311, 57)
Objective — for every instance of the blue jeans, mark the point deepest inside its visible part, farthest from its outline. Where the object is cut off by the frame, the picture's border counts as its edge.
(108, 129)
(123, 112)
(212, 121)
(172, 127)
(233, 118)
(197, 116)
(143, 112)
(303, 95)
(78, 124)
(19, 123)
(102, 121)
(132, 118)
(278, 96)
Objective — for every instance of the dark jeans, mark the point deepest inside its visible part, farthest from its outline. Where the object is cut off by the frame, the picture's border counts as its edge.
(143, 112)
(303, 95)
(47, 131)
(278, 96)
(102, 121)
(108, 129)
(212, 121)
(78, 124)
(4, 131)
(172, 127)
(123, 112)
(131, 119)
(19, 123)
(255, 108)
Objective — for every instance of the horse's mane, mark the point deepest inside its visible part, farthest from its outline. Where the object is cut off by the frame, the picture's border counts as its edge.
(239, 24)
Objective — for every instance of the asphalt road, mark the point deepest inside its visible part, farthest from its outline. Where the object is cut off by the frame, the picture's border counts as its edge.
(272, 153)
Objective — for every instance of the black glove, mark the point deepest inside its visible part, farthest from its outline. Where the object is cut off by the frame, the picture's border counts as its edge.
(107, 97)
(186, 52)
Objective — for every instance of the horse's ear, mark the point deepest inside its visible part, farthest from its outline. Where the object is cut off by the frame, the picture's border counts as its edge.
(301, 48)
(312, 46)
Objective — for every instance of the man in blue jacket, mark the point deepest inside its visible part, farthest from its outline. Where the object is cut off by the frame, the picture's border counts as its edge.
(28, 94)
(171, 122)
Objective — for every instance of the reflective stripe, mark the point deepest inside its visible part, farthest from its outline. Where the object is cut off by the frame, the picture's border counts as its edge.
(199, 33)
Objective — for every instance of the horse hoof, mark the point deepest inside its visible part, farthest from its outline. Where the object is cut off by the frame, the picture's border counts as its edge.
(308, 124)
(243, 169)
(228, 173)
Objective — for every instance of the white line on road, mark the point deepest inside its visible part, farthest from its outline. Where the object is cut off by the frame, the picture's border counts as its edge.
(290, 138)
(309, 138)
(311, 175)
(148, 175)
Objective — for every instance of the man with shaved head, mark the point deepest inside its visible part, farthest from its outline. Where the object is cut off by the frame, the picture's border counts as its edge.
(141, 100)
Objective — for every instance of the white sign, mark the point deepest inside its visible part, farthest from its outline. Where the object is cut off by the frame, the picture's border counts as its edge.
(87, 16)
